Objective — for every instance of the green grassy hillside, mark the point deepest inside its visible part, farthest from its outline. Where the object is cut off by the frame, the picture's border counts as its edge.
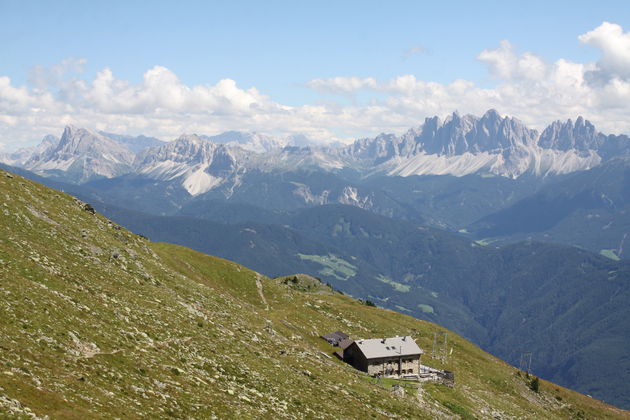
(562, 303)
(96, 322)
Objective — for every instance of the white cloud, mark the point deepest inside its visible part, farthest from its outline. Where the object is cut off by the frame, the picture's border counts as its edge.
(162, 105)
(504, 63)
(42, 77)
(614, 45)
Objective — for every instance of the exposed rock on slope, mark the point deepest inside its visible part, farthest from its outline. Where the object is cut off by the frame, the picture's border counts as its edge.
(198, 164)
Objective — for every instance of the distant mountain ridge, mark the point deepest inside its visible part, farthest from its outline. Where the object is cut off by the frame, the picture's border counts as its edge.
(133, 143)
(21, 156)
(454, 136)
(459, 146)
(200, 163)
(81, 155)
(254, 142)
(589, 209)
(504, 146)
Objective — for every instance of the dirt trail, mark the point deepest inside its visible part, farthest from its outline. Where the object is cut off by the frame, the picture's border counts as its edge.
(259, 286)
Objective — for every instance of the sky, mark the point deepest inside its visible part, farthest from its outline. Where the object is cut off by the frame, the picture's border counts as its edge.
(334, 71)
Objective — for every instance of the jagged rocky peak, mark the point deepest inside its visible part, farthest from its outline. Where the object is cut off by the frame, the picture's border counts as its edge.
(75, 141)
(73, 136)
(81, 155)
(187, 148)
(379, 148)
(581, 135)
(199, 163)
(450, 138)
(429, 129)
(492, 131)
(456, 135)
(81, 142)
(470, 134)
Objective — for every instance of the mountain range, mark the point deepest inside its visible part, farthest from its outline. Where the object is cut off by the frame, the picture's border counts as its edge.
(363, 218)
(458, 145)
(447, 173)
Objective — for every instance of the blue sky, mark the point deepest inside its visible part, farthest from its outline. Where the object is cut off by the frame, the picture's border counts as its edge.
(278, 47)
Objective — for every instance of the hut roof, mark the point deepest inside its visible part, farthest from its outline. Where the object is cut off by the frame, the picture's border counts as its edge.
(376, 348)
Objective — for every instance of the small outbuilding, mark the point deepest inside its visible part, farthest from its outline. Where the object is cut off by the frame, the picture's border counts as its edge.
(335, 338)
(397, 357)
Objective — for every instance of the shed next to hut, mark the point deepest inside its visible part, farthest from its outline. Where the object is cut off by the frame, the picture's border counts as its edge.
(335, 338)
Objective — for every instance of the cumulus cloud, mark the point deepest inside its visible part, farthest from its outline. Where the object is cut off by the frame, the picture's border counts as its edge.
(526, 86)
(614, 45)
(504, 63)
(159, 105)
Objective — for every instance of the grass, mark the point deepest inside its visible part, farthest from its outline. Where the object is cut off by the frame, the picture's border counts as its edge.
(457, 409)
(427, 309)
(333, 266)
(609, 253)
(161, 331)
(399, 287)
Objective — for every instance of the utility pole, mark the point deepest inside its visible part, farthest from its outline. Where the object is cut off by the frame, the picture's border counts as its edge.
(440, 344)
(525, 364)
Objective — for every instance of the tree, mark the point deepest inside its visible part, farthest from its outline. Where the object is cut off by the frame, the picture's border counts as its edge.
(534, 384)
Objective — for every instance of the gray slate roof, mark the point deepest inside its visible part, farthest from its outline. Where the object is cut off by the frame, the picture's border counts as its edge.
(375, 348)
(335, 338)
